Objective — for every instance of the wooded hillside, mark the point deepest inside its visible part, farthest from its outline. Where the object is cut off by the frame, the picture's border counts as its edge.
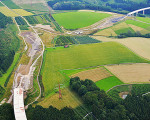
(120, 6)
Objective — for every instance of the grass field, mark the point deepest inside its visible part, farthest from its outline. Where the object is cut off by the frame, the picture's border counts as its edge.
(147, 20)
(106, 32)
(69, 99)
(75, 20)
(82, 56)
(10, 13)
(124, 30)
(135, 73)
(137, 23)
(138, 45)
(108, 83)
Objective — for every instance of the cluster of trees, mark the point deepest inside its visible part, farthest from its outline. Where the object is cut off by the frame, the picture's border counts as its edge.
(4, 20)
(51, 113)
(138, 106)
(39, 113)
(6, 112)
(133, 34)
(105, 108)
(120, 6)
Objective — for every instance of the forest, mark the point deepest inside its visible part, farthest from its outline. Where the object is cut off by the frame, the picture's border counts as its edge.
(39, 113)
(10, 43)
(119, 6)
(4, 20)
(105, 108)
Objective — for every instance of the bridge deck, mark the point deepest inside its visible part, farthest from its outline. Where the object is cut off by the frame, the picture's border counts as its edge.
(19, 104)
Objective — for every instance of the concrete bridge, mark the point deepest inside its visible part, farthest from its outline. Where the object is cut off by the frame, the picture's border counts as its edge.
(18, 102)
(137, 11)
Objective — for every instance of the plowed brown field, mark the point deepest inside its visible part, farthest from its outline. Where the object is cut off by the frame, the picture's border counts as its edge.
(135, 73)
(93, 74)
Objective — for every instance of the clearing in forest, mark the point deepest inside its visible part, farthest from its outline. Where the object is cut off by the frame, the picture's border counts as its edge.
(75, 20)
(93, 74)
(133, 73)
(82, 56)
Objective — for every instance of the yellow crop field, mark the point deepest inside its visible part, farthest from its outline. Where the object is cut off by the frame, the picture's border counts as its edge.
(120, 26)
(14, 12)
(93, 74)
(106, 32)
(133, 73)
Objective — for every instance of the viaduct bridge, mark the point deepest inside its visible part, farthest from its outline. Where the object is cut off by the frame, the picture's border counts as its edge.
(137, 11)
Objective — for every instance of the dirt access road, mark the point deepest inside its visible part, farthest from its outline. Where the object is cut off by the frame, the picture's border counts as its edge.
(24, 75)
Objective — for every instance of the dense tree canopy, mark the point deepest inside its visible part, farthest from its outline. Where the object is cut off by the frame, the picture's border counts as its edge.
(121, 6)
(4, 20)
(106, 108)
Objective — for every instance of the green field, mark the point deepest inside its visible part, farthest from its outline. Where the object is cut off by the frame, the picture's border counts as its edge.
(124, 30)
(82, 56)
(137, 23)
(75, 20)
(147, 20)
(108, 83)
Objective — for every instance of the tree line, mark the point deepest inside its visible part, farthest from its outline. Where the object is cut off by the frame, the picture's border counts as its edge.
(39, 113)
(133, 34)
(119, 6)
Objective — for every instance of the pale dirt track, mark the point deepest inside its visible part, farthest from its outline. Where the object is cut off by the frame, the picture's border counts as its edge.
(93, 74)
(140, 46)
(134, 73)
